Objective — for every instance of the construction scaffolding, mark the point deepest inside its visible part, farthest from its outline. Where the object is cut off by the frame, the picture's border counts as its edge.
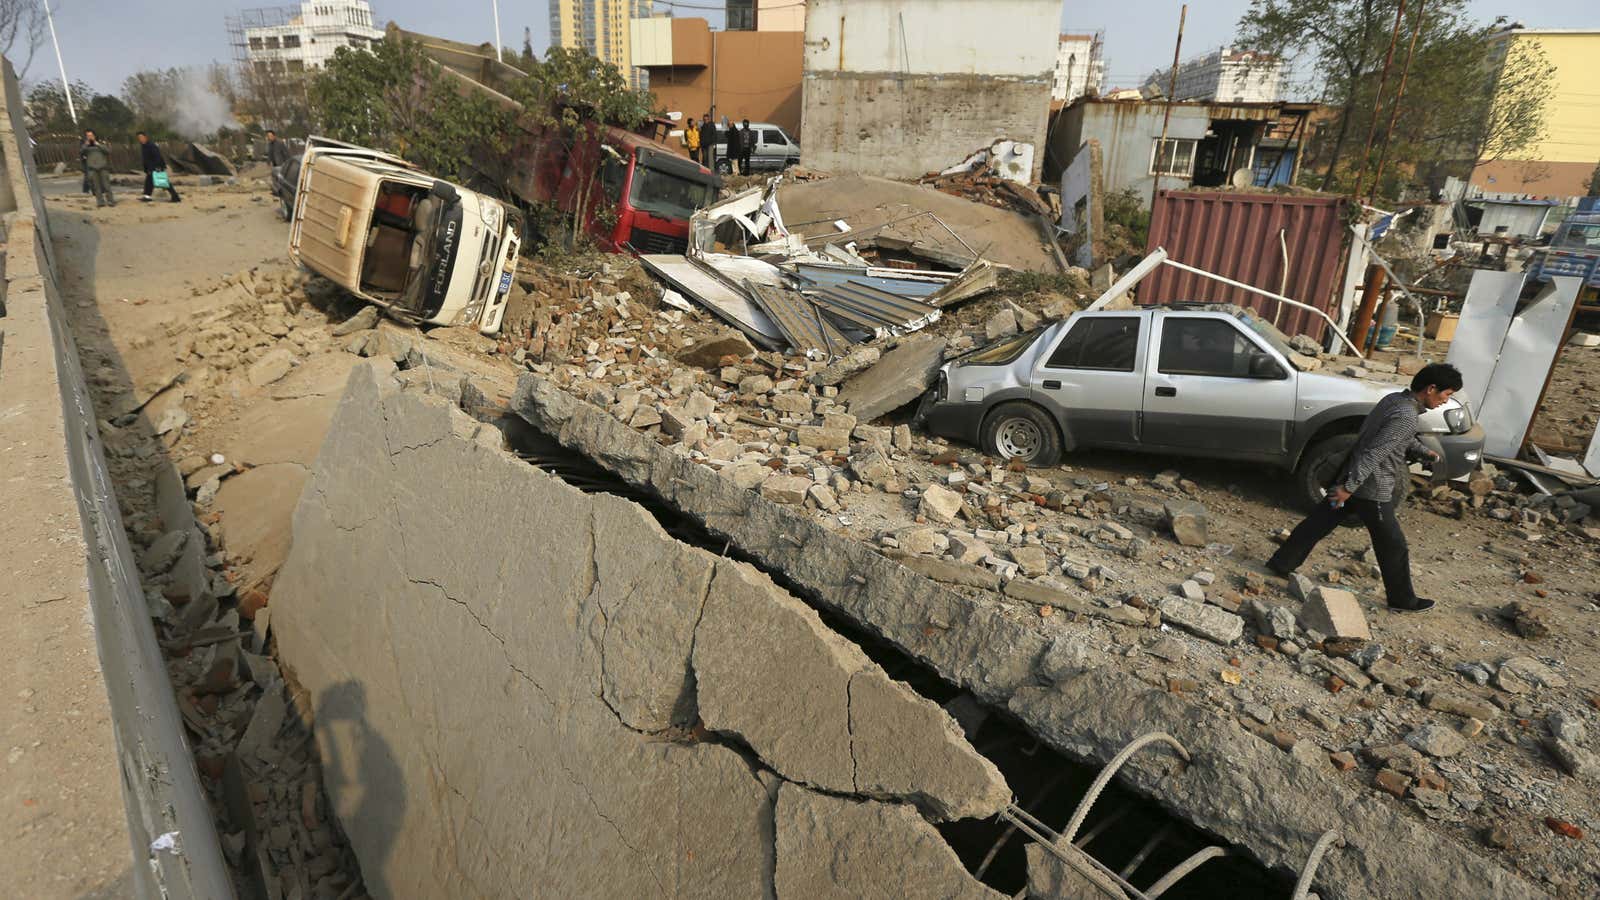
(275, 50)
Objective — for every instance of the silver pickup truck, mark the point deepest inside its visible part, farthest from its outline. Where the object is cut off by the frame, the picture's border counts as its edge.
(1198, 380)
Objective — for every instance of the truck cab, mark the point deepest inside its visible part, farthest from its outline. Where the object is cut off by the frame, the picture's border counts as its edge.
(1192, 379)
(1574, 251)
(426, 250)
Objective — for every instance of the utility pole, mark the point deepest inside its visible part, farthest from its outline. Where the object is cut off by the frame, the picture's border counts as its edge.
(65, 87)
(1377, 101)
(1394, 111)
(1166, 117)
(497, 50)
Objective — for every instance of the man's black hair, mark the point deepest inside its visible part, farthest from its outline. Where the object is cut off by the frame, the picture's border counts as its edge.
(1443, 376)
(270, 131)
(140, 134)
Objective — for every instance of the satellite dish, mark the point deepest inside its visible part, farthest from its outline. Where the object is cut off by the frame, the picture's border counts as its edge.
(1242, 178)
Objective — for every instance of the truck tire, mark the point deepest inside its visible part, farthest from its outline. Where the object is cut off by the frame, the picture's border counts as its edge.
(1022, 431)
(1320, 465)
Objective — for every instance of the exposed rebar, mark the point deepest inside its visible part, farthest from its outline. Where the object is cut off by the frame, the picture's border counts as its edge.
(1110, 770)
(1303, 886)
(1184, 868)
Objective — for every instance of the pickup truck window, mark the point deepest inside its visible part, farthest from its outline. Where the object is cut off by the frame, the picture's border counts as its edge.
(1196, 346)
(1106, 343)
(772, 138)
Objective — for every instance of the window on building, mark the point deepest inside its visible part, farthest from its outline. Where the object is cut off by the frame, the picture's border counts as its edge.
(1176, 157)
(1102, 343)
(297, 65)
(272, 43)
(291, 41)
(255, 43)
(741, 15)
(357, 42)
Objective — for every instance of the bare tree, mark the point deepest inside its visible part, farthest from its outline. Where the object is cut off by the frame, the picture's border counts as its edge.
(22, 30)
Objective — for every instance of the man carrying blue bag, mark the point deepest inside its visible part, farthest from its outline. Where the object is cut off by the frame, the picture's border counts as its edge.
(155, 169)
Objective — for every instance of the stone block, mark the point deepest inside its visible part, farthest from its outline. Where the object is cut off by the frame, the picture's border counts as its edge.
(1209, 622)
(895, 380)
(785, 488)
(1335, 613)
(939, 504)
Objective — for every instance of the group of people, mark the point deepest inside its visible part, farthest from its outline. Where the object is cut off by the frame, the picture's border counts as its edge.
(702, 138)
(96, 160)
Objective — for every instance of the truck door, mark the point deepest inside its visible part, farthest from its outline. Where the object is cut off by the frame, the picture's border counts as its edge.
(1214, 389)
(1092, 379)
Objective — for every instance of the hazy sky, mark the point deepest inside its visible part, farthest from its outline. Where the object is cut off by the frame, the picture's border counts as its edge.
(103, 41)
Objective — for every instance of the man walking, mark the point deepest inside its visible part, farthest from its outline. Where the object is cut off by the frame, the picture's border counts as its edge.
(150, 156)
(1371, 482)
(96, 168)
(88, 138)
(747, 146)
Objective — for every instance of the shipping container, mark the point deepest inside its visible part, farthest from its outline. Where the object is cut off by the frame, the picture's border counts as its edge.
(1290, 245)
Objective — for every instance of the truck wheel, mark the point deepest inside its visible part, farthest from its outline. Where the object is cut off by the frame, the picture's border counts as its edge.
(1319, 466)
(1022, 431)
(724, 167)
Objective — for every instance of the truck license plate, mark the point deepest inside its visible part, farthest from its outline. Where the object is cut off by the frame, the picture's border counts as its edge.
(505, 282)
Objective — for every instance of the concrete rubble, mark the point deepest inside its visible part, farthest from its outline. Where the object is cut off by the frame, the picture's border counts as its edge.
(643, 704)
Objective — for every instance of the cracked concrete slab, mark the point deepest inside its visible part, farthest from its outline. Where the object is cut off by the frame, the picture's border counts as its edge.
(1272, 803)
(837, 847)
(504, 672)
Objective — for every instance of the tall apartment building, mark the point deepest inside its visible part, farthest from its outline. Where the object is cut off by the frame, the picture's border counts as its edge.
(600, 27)
(294, 39)
(1561, 161)
(1080, 67)
(1225, 75)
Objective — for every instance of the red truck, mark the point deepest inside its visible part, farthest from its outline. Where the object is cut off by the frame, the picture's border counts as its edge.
(636, 193)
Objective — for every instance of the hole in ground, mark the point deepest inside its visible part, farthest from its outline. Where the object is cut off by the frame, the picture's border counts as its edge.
(1045, 782)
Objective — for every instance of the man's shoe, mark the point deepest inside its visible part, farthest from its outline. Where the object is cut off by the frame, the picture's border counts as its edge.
(1277, 570)
(1415, 606)
(146, 198)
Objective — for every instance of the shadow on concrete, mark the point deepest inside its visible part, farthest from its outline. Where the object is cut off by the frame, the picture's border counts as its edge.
(369, 774)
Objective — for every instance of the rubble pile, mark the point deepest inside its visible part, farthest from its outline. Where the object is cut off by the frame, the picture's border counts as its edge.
(1463, 742)
(252, 740)
(980, 183)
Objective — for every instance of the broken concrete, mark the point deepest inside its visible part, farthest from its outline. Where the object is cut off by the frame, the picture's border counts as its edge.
(895, 380)
(1276, 803)
(578, 665)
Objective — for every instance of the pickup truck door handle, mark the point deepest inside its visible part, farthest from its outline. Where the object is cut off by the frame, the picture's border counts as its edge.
(1052, 385)
(1166, 392)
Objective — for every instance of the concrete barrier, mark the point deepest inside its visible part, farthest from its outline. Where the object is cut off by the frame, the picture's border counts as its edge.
(522, 689)
(81, 642)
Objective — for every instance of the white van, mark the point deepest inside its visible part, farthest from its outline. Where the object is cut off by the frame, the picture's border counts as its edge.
(426, 250)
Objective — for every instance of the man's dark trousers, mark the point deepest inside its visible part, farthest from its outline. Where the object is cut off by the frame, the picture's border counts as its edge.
(1388, 542)
(150, 185)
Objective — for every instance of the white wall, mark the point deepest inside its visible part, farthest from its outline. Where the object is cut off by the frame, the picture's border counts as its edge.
(994, 37)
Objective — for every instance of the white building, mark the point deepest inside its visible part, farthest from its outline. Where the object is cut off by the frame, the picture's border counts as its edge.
(1224, 75)
(1080, 67)
(287, 40)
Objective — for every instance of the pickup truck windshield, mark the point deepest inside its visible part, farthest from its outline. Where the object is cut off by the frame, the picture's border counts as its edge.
(1267, 331)
(668, 195)
(1002, 352)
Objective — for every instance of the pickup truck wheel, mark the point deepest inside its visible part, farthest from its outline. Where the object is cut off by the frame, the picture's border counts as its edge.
(1321, 465)
(1022, 431)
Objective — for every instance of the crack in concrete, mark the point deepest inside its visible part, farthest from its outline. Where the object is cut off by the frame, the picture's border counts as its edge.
(850, 729)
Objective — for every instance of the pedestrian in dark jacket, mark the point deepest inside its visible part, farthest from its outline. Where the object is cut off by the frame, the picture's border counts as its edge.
(277, 153)
(150, 156)
(97, 169)
(708, 142)
(83, 163)
(1373, 480)
(747, 146)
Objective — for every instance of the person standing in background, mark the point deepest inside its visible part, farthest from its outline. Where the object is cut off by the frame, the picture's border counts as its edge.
(150, 156)
(708, 142)
(96, 168)
(88, 138)
(277, 153)
(691, 139)
(747, 146)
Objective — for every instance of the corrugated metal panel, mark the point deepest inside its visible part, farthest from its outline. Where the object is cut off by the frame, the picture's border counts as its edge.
(901, 282)
(1237, 235)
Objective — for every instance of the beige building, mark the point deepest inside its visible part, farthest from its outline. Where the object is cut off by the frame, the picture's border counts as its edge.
(600, 27)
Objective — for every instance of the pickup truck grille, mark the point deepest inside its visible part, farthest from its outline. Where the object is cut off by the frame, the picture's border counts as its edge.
(654, 242)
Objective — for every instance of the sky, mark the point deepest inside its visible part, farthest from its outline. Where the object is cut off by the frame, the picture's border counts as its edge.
(104, 41)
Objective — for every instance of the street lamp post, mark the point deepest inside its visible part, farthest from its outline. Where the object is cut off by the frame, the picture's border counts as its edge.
(497, 51)
(65, 87)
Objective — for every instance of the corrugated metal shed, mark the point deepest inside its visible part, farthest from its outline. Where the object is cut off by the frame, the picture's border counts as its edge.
(1237, 235)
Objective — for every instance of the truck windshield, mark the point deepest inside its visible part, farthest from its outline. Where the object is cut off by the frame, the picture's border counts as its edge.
(1268, 332)
(1002, 352)
(1580, 237)
(667, 195)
